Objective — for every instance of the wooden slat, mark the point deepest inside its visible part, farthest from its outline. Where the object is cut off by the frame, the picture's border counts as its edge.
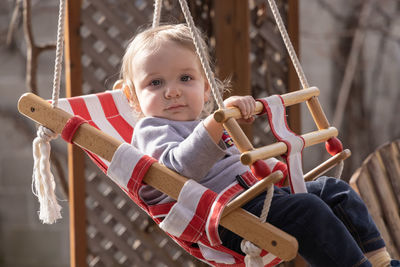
(391, 160)
(376, 181)
(76, 181)
(386, 197)
(368, 193)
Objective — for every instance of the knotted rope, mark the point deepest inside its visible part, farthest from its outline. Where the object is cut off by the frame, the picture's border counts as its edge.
(43, 184)
(252, 258)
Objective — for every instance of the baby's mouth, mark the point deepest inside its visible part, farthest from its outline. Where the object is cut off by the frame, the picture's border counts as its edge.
(175, 107)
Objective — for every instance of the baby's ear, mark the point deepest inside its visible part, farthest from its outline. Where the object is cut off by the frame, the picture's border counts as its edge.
(118, 85)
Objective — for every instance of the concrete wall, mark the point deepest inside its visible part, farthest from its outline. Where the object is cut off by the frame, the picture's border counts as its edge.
(320, 31)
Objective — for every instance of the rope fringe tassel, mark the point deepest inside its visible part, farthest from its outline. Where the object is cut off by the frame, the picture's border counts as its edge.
(43, 184)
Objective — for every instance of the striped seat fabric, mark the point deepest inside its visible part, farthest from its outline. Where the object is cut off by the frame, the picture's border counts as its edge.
(192, 221)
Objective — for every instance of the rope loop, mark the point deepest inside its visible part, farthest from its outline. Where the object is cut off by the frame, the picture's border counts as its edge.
(45, 134)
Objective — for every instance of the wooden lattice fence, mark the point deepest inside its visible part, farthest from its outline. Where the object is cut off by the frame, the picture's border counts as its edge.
(118, 232)
(269, 61)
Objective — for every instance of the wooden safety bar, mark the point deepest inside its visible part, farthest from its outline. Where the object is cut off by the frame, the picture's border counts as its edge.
(249, 155)
(264, 235)
(327, 165)
(289, 99)
(252, 192)
(280, 148)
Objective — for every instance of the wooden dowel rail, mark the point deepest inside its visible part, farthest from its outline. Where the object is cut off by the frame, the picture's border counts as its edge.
(238, 136)
(317, 113)
(289, 99)
(327, 165)
(252, 192)
(248, 226)
(279, 148)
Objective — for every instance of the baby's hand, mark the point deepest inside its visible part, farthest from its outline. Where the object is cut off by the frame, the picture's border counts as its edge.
(246, 105)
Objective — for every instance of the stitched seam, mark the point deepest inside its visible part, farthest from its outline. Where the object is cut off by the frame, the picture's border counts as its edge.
(346, 220)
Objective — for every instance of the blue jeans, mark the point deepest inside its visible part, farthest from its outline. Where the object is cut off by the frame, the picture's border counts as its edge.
(331, 223)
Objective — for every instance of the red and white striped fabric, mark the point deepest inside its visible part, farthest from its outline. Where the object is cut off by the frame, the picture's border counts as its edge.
(275, 109)
(194, 218)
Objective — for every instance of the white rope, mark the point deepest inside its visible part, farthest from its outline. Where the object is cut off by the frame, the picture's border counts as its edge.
(339, 170)
(157, 13)
(267, 203)
(42, 179)
(202, 54)
(43, 184)
(288, 44)
(59, 55)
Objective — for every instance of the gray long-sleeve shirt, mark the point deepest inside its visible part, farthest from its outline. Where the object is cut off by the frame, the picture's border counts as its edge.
(187, 148)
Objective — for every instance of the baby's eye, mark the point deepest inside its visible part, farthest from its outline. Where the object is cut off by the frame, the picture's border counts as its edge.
(155, 83)
(186, 78)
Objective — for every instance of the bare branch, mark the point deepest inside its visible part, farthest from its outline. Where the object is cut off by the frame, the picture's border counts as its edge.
(351, 64)
(33, 50)
(46, 47)
(13, 22)
(327, 6)
(31, 53)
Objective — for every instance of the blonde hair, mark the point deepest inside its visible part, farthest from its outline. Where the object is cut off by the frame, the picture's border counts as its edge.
(152, 39)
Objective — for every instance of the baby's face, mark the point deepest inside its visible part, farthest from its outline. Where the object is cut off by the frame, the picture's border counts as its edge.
(169, 83)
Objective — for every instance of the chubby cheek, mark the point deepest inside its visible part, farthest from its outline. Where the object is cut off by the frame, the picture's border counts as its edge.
(150, 105)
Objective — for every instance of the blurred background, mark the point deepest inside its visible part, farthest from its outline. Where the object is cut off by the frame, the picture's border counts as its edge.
(350, 50)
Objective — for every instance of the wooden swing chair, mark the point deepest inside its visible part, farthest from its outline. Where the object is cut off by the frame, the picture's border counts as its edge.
(109, 124)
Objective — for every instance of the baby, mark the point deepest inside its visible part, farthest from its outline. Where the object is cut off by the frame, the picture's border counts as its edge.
(169, 91)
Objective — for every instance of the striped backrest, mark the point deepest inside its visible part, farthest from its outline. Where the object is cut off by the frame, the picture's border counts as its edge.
(108, 111)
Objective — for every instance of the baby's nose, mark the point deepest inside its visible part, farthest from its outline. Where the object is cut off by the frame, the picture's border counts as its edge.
(172, 92)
